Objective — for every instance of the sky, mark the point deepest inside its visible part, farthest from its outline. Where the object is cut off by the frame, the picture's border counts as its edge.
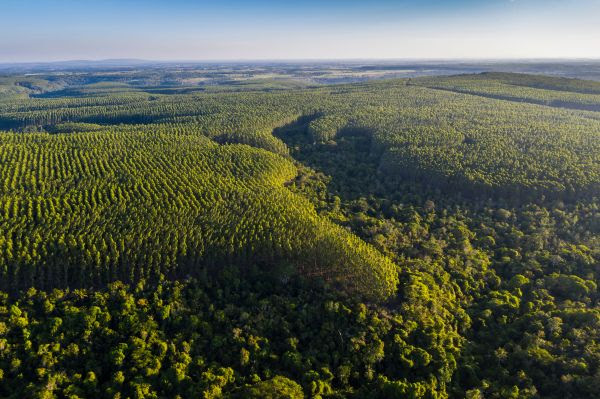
(53, 30)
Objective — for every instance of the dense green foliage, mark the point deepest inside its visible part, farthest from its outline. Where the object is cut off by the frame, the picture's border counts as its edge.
(424, 238)
(526, 275)
(88, 208)
(213, 335)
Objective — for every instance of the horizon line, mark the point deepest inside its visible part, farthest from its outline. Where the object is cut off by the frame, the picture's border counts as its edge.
(348, 59)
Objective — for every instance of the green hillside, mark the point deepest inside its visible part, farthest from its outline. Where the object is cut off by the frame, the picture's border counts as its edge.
(83, 209)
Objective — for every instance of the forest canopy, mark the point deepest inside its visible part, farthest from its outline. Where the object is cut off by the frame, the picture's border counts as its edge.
(410, 238)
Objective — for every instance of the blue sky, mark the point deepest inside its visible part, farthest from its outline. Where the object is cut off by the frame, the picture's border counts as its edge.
(42, 30)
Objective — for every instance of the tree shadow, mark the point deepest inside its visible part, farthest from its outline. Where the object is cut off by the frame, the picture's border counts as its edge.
(348, 159)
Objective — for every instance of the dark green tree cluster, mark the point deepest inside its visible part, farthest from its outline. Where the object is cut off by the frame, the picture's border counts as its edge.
(217, 336)
(526, 275)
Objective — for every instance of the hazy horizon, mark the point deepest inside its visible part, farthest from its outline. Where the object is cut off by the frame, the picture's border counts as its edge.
(313, 60)
(233, 30)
